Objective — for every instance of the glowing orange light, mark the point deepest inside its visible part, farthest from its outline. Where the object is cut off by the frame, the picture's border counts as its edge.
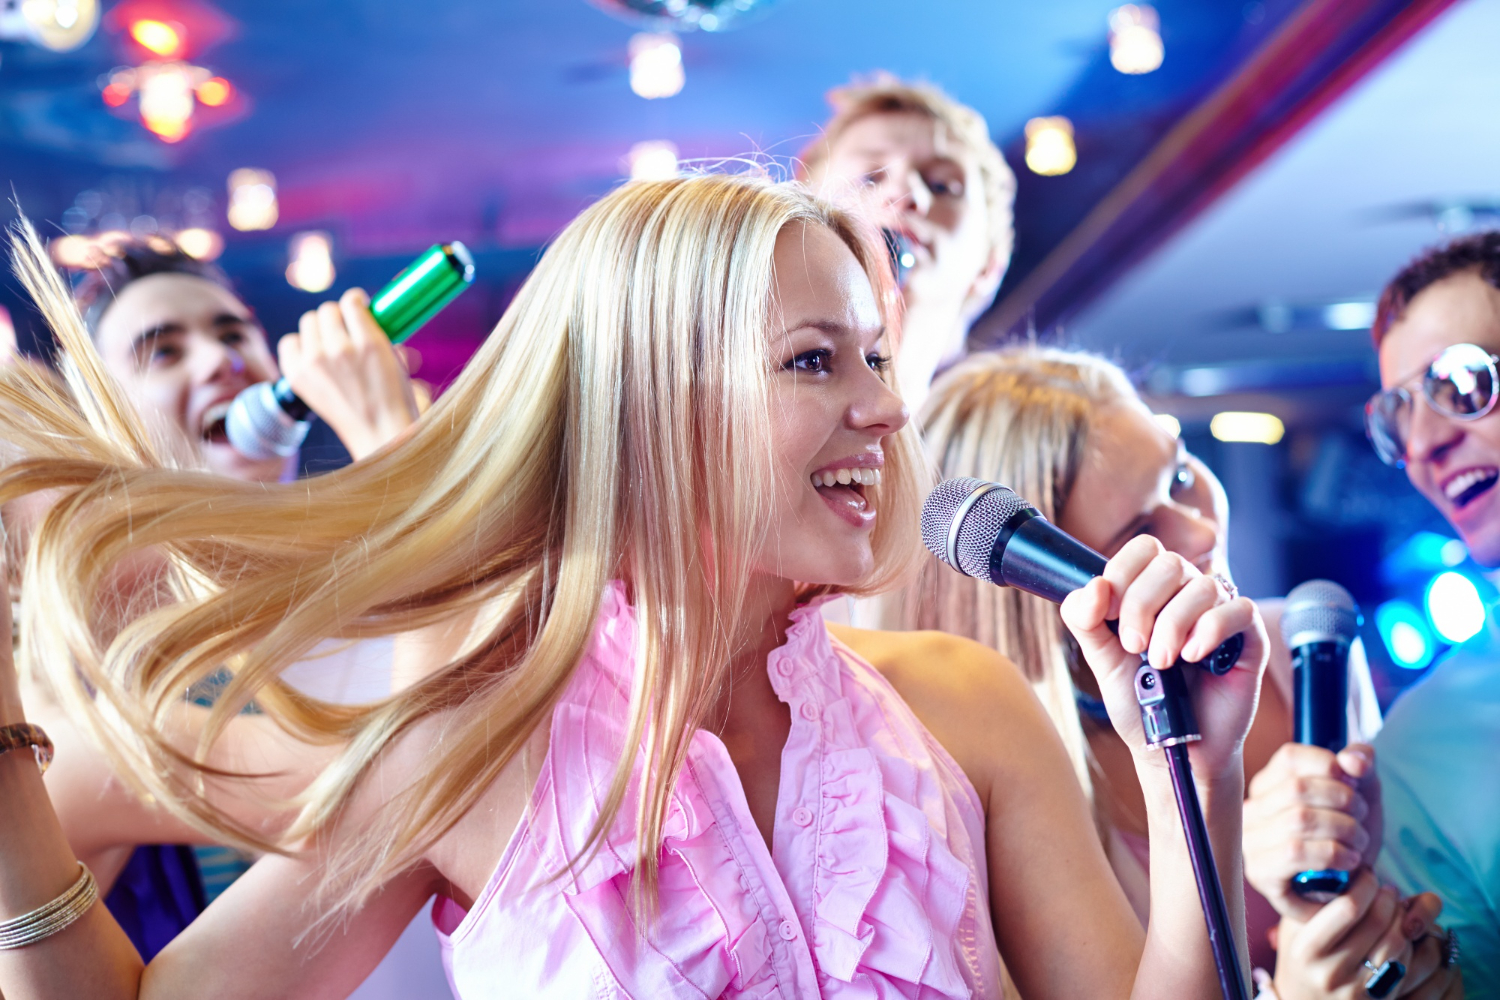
(168, 129)
(157, 36)
(214, 91)
(116, 95)
(166, 99)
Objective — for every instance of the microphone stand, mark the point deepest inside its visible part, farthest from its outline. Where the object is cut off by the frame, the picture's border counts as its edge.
(1167, 713)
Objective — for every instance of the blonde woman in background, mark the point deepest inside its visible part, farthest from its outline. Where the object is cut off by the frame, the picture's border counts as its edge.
(1066, 430)
(648, 770)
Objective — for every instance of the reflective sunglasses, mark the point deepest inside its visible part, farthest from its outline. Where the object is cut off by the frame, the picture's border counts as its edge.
(1460, 383)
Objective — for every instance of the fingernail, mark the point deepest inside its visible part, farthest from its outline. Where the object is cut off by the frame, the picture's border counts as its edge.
(1414, 928)
(1132, 640)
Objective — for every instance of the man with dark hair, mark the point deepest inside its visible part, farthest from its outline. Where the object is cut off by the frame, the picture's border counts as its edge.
(1437, 331)
(182, 344)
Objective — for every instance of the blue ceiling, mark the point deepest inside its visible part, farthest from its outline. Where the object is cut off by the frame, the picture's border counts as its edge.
(1328, 219)
(396, 124)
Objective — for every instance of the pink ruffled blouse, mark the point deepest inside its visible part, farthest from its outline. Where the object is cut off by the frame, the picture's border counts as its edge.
(875, 885)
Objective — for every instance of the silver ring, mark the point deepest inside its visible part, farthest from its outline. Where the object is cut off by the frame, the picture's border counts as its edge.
(1450, 947)
(1227, 584)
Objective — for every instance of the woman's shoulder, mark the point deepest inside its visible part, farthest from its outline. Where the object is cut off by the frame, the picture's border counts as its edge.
(927, 659)
(972, 699)
(467, 854)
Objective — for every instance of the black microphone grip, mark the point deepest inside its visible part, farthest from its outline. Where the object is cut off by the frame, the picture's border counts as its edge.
(1033, 555)
(1320, 680)
(1320, 683)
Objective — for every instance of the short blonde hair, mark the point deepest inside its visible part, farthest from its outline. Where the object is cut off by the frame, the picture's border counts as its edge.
(885, 94)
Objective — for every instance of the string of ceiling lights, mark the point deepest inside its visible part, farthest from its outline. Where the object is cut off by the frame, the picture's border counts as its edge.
(173, 96)
(657, 71)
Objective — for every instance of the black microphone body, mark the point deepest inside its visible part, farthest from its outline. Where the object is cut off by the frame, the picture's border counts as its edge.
(985, 530)
(1320, 688)
(1320, 622)
(1033, 555)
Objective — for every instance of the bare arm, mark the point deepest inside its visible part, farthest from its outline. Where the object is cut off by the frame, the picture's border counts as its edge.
(247, 945)
(1165, 609)
(99, 813)
(92, 957)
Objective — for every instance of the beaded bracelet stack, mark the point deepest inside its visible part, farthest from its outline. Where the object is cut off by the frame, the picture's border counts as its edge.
(47, 920)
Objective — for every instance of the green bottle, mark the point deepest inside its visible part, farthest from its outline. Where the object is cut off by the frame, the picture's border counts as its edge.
(418, 293)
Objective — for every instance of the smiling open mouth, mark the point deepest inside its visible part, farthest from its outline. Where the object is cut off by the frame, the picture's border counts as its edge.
(214, 420)
(844, 491)
(1464, 489)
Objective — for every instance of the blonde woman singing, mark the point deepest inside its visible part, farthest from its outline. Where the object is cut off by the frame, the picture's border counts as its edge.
(642, 766)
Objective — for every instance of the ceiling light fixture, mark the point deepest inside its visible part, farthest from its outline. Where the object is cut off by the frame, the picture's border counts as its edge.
(684, 15)
(1135, 44)
(652, 161)
(161, 38)
(168, 94)
(200, 243)
(1049, 146)
(311, 265)
(252, 199)
(1250, 428)
(655, 66)
(1359, 315)
(59, 25)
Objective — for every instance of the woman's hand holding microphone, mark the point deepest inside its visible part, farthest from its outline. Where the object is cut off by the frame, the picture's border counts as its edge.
(342, 363)
(1166, 609)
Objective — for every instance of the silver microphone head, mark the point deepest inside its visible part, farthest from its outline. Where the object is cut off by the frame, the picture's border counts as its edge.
(259, 428)
(961, 519)
(1319, 611)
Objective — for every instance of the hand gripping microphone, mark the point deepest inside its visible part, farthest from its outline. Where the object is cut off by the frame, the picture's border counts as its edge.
(986, 531)
(1319, 623)
(269, 420)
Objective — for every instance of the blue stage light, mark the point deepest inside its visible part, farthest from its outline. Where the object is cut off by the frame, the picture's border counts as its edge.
(1454, 607)
(1405, 633)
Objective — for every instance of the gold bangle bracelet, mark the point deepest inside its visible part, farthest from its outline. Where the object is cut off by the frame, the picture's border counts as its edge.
(49, 918)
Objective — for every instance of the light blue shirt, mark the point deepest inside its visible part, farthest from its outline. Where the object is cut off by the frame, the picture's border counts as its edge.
(1438, 756)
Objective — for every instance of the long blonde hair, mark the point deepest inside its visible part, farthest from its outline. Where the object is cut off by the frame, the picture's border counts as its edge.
(614, 425)
(1021, 417)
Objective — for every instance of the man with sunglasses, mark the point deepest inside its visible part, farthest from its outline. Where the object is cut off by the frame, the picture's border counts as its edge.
(1437, 331)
